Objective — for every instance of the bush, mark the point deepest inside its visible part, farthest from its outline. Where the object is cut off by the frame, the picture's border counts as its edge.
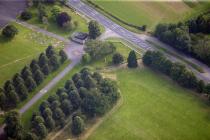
(86, 58)
(26, 15)
(10, 31)
(132, 60)
(117, 58)
(94, 29)
(63, 19)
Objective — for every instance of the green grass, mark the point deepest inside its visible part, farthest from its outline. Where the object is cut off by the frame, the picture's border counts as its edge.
(94, 65)
(52, 26)
(148, 13)
(19, 51)
(154, 107)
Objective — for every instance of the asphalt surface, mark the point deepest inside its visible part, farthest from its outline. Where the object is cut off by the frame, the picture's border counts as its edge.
(9, 9)
(132, 37)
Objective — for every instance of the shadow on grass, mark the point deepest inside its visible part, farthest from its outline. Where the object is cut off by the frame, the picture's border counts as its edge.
(4, 39)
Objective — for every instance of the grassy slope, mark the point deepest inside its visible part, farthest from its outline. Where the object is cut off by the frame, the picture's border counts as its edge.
(155, 108)
(19, 51)
(52, 26)
(149, 13)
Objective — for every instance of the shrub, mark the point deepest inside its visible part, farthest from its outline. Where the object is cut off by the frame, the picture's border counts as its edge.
(117, 58)
(9, 31)
(26, 15)
(94, 29)
(132, 60)
(63, 19)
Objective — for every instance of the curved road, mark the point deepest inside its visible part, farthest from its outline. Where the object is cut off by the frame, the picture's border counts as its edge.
(131, 37)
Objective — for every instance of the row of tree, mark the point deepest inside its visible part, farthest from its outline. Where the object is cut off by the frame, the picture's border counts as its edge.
(177, 71)
(18, 88)
(188, 37)
(86, 95)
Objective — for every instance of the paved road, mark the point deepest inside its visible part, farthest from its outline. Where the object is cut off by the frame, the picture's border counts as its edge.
(125, 34)
(9, 9)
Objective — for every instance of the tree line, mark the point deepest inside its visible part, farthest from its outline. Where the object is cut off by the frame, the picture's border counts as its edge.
(86, 95)
(175, 70)
(189, 37)
(18, 88)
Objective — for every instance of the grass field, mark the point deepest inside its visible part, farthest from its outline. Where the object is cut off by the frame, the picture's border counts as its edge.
(149, 13)
(155, 108)
(16, 53)
(52, 26)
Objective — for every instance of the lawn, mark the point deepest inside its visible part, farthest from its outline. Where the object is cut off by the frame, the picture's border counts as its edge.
(19, 51)
(52, 26)
(154, 107)
(149, 13)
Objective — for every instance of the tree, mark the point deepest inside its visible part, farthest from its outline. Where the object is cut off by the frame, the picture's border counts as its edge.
(30, 136)
(207, 89)
(46, 69)
(117, 58)
(54, 105)
(89, 82)
(22, 91)
(63, 56)
(77, 125)
(26, 72)
(67, 107)
(41, 130)
(200, 86)
(17, 79)
(50, 51)
(9, 31)
(8, 86)
(94, 29)
(13, 127)
(13, 98)
(55, 11)
(41, 12)
(30, 83)
(26, 15)
(75, 99)
(132, 61)
(86, 58)
(3, 99)
(97, 76)
(50, 123)
(38, 77)
(63, 19)
(43, 106)
(52, 98)
(43, 60)
(47, 113)
(69, 85)
(58, 116)
(54, 63)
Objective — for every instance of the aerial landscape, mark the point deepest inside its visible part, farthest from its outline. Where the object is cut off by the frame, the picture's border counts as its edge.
(104, 70)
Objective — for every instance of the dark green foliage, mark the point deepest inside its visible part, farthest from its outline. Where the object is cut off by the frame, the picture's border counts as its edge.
(50, 51)
(98, 49)
(38, 77)
(207, 89)
(86, 58)
(94, 29)
(50, 123)
(63, 19)
(75, 99)
(63, 96)
(54, 62)
(30, 136)
(22, 91)
(17, 79)
(13, 128)
(60, 91)
(26, 72)
(89, 82)
(63, 56)
(117, 58)
(41, 130)
(8, 86)
(66, 106)
(200, 86)
(132, 60)
(83, 92)
(58, 116)
(3, 99)
(43, 60)
(47, 113)
(26, 15)
(43, 106)
(78, 125)
(52, 98)
(46, 69)
(12, 98)
(41, 12)
(9, 31)
(176, 71)
(69, 85)
(30, 83)
(55, 104)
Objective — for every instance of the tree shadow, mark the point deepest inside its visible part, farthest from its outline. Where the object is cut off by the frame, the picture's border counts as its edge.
(4, 39)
